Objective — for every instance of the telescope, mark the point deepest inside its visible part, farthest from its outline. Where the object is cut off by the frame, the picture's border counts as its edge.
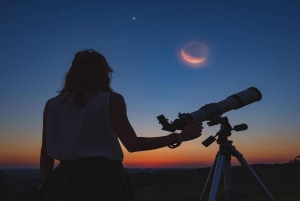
(222, 162)
(209, 111)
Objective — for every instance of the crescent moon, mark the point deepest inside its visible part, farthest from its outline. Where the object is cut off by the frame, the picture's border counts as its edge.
(191, 59)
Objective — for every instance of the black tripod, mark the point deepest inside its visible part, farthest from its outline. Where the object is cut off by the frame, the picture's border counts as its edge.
(223, 161)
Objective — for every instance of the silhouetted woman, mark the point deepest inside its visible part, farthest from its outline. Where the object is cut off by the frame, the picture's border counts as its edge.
(81, 128)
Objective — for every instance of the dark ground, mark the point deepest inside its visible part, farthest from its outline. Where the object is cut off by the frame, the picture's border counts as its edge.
(282, 180)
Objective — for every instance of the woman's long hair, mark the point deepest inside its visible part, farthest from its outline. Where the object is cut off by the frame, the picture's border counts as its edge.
(88, 74)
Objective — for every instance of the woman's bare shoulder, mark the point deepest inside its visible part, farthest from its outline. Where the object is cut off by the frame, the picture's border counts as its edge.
(117, 107)
(116, 97)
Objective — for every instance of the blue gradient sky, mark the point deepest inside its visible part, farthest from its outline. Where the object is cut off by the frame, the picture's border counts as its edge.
(251, 43)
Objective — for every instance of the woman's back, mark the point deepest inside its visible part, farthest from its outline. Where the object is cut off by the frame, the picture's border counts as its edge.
(75, 133)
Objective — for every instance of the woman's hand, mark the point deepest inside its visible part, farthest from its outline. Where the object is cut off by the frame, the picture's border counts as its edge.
(191, 131)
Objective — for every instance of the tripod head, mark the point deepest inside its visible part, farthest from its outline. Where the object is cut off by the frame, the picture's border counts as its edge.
(224, 132)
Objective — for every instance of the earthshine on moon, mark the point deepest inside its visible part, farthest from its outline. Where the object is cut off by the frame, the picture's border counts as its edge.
(194, 52)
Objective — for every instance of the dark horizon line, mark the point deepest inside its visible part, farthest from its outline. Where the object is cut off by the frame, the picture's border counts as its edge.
(158, 168)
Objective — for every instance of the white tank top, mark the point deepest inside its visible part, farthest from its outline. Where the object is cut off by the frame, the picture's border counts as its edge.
(75, 133)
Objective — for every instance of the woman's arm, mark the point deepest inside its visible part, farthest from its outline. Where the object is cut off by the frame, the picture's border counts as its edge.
(128, 137)
(46, 162)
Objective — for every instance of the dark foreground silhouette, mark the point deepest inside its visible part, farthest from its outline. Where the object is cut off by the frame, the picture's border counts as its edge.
(282, 180)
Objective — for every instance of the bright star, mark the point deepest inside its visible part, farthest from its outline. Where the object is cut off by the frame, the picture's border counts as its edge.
(133, 18)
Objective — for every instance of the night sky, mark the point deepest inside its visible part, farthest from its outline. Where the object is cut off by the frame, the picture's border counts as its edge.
(251, 44)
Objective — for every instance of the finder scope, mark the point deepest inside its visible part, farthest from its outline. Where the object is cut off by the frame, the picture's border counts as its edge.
(208, 111)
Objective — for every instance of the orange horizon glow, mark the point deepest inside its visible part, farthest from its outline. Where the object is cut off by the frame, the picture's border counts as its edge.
(24, 152)
(144, 160)
(154, 163)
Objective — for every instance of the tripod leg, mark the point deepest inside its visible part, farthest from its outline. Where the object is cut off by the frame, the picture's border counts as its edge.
(244, 163)
(217, 178)
(210, 175)
(227, 178)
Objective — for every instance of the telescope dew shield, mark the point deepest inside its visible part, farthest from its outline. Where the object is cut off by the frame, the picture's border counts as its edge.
(234, 101)
(240, 99)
